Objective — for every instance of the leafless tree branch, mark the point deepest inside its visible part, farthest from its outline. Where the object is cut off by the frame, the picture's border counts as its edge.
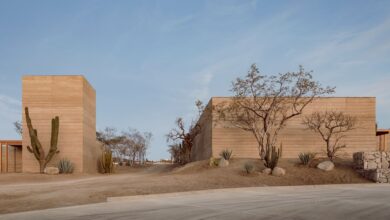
(264, 104)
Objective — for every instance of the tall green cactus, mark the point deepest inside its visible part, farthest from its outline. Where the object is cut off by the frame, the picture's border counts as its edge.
(106, 162)
(272, 157)
(36, 146)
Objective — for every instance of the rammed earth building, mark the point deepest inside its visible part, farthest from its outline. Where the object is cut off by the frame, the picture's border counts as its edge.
(217, 134)
(71, 98)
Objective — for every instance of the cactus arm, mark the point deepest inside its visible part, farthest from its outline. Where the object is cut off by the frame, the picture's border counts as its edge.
(35, 144)
(29, 149)
(55, 123)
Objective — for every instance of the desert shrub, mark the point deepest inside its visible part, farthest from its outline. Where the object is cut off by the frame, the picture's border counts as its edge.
(213, 162)
(249, 168)
(106, 162)
(226, 154)
(306, 158)
(180, 153)
(65, 166)
(272, 157)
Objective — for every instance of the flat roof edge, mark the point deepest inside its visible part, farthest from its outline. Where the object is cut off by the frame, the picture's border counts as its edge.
(64, 75)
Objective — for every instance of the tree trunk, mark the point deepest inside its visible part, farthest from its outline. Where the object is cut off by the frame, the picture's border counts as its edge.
(262, 153)
(329, 151)
(42, 166)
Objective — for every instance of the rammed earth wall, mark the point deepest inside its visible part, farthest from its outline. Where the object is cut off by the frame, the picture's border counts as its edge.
(373, 165)
(73, 99)
(218, 134)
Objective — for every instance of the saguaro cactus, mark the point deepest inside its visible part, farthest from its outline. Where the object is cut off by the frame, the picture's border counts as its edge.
(272, 157)
(36, 146)
(106, 162)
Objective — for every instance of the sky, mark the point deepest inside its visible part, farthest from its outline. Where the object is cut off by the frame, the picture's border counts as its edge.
(150, 60)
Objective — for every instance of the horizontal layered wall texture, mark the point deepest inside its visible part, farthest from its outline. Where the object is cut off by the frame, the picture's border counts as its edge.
(71, 98)
(218, 135)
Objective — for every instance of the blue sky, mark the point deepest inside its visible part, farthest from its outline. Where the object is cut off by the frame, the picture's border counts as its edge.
(150, 60)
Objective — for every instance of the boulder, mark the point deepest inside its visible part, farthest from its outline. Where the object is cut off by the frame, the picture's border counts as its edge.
(326, 166)
(267, 171)
(371, 165)
(385, 164)
(51, 170)
(223, 162)
(278, 171)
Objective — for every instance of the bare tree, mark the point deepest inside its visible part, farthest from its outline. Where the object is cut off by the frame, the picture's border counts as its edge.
(147, 140)
(135, 145)
(18, 127)
(263, 104)
(332, 127)
(111, 141)
(176, 153)
(131, 143)
(110, 138)
(184, 136)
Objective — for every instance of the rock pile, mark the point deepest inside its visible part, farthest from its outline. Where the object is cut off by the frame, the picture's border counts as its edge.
(373, 165)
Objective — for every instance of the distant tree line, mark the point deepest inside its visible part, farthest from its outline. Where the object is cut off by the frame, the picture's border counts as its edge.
(129, 146)
(130, 143)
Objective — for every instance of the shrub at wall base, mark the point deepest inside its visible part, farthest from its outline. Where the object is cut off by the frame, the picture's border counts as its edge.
(65, 166)
(106, 162)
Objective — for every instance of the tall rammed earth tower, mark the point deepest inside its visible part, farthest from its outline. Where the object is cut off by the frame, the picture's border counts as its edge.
(71, 98)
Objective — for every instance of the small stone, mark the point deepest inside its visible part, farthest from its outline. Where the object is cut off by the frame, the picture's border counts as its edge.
(385, 164)
(223, 162)
(326, 166)
(278, 171)
(371, 165)
(267, 171)
(51, 170)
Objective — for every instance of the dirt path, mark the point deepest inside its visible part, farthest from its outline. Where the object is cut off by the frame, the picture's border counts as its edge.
(22, 192)
(350, 201)
(32, 194)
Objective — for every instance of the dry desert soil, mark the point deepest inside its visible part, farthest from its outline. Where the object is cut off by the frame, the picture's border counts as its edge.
(22, 192)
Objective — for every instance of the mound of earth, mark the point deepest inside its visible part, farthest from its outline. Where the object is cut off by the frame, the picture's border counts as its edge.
(22, 192)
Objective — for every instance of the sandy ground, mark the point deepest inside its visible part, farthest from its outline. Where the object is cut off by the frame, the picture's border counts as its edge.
(348, 201)
(23, 192)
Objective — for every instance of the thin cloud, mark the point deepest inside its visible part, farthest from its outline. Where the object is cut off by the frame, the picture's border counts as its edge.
(10, 111)
(351, 47)
(203, 80)
(176, 23)
(10, 108)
